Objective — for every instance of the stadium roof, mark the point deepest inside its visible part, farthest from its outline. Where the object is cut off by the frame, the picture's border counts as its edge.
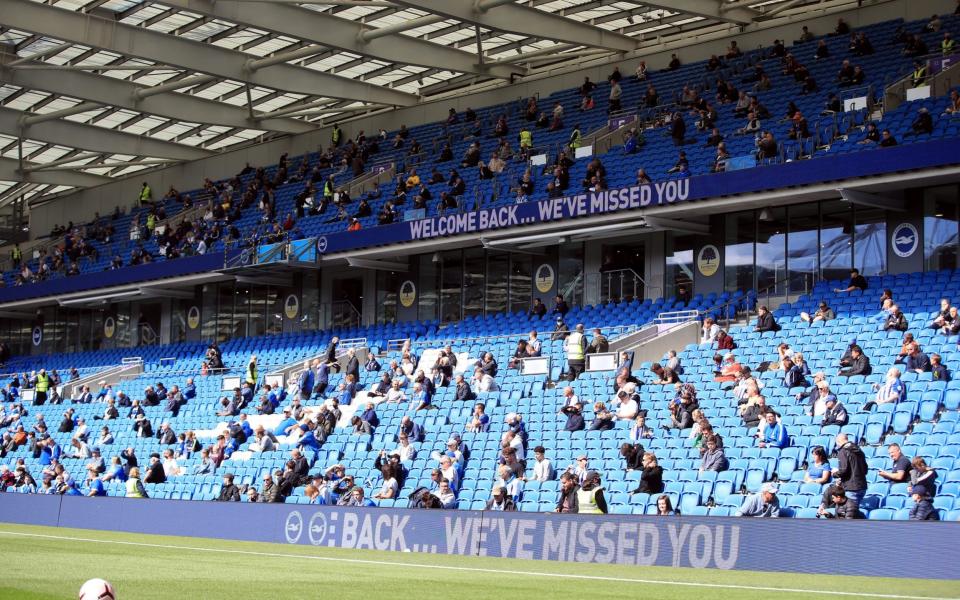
(98, 89)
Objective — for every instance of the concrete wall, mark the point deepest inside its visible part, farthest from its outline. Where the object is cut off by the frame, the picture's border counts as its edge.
(81, 205)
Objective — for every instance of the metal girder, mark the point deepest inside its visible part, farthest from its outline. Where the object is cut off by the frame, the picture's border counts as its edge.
(90, 137)
(9, 171)
(872, 200)
(519, 19)
(343, 34)
(710, 9)
(139, 98)
(196, 56)
(676, 225)
(378, 265)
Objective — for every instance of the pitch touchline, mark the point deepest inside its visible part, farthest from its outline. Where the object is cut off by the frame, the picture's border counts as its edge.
(475, 569)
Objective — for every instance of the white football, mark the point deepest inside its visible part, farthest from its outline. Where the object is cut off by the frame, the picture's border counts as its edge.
(97, 589)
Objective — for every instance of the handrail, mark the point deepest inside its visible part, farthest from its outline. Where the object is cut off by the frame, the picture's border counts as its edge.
(623, 274)
(543, 335)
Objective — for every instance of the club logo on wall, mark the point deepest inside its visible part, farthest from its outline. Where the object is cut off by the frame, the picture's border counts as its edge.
(544, 279)
(193, 317)
(905, 240)
(291, 306)
(408, 293)
(37, 335)
(293, 527)
(708, 260)
(109, 327)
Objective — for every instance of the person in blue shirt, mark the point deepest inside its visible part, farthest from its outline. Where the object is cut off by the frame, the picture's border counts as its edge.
(421, 398)
(189, 390)
(286, 424)
(762, 504)
(94, 486)
(305, 382)
(206, 465)
(347, 390)
(245, 426)
(321, 378)
(370, 415)
(773, 433)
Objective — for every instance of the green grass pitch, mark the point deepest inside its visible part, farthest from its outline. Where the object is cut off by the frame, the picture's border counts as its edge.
(47, 563)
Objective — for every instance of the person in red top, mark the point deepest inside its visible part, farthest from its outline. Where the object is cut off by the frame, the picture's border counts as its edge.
(724, 341)
(730, 369)
(354, 225)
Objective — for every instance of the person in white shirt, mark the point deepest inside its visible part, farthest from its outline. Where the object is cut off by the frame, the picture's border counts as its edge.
(405, 450)
(484, 382)
(515, 442)
(508, 481)
(395, 394)
(709, 331)
(170, 466)
(535, 343)
(450, 472)
(569, 398)
(445, 494)
(629, 406)
(673, 362)
(542, 467)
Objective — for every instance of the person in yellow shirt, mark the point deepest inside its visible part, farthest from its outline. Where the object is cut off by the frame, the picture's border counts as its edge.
(413, 180)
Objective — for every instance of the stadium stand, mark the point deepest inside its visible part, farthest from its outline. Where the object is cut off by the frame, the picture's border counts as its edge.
(833, 381)
(272, 204)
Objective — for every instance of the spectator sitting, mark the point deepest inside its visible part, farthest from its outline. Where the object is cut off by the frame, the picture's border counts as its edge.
(835, 413)
(709, 331)
(887, 140)
(896, 320)
(939, 371)
(900, 466)
(724, 341)
(730, 370)
(857, 282)
(819, 471)
(651, 476)
(843, 507)
(574, 415)
(892, 391)
(824, 313)
(714, 458)
(629, 406)
(479, 421)
(542, 468)
(922, 509)
(773, 433)
(639, 431)
(923, 124)
(916, 360)
(765, 321)
(872, 135)
(923, 475)
(762, 504)
(603, 419)
(792, 374)
(859, 363)
(500, 501)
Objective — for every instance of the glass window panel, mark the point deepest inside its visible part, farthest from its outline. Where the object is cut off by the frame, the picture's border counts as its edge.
(498, 266)
(738, 251)
(451, 299)
(940, 228)
(802, 245)
(388, 283)
(678, 270)
(474, 281)
(571, 273)
(429, 282)
(521, 286)
(225, 324)
(208, 312)
(870, 241)
(836, 241)
(771, 254)
(310, 302)
(178, 320)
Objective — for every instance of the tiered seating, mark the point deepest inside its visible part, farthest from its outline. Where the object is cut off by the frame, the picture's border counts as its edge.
(657, 156)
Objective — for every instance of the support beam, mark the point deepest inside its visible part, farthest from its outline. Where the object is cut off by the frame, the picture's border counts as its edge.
(71, 157)
(343, 34)
(520, 19)
(675, 225)
(131, 96)
(305, 111)
(872, 200)
(58, 114)
(196, 56)
(378, 265)
(99, 139)
(110, 165)
(514, 58)
(709, 9)
(9, 171)
(372, 34)
(51, 50)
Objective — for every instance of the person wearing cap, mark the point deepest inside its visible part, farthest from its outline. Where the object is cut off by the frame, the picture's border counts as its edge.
(823, 313)
(835, 413)
(843, 508)
(922, 509)
(500, 501)
(576, 349)
(857, 282)
(560, 332)
(155, 473)
(590, 499)
(762, 504)
(574, 414)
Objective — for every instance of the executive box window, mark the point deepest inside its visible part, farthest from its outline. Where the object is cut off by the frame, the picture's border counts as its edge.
(940, 219)
(738, 250)
(679, 264)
